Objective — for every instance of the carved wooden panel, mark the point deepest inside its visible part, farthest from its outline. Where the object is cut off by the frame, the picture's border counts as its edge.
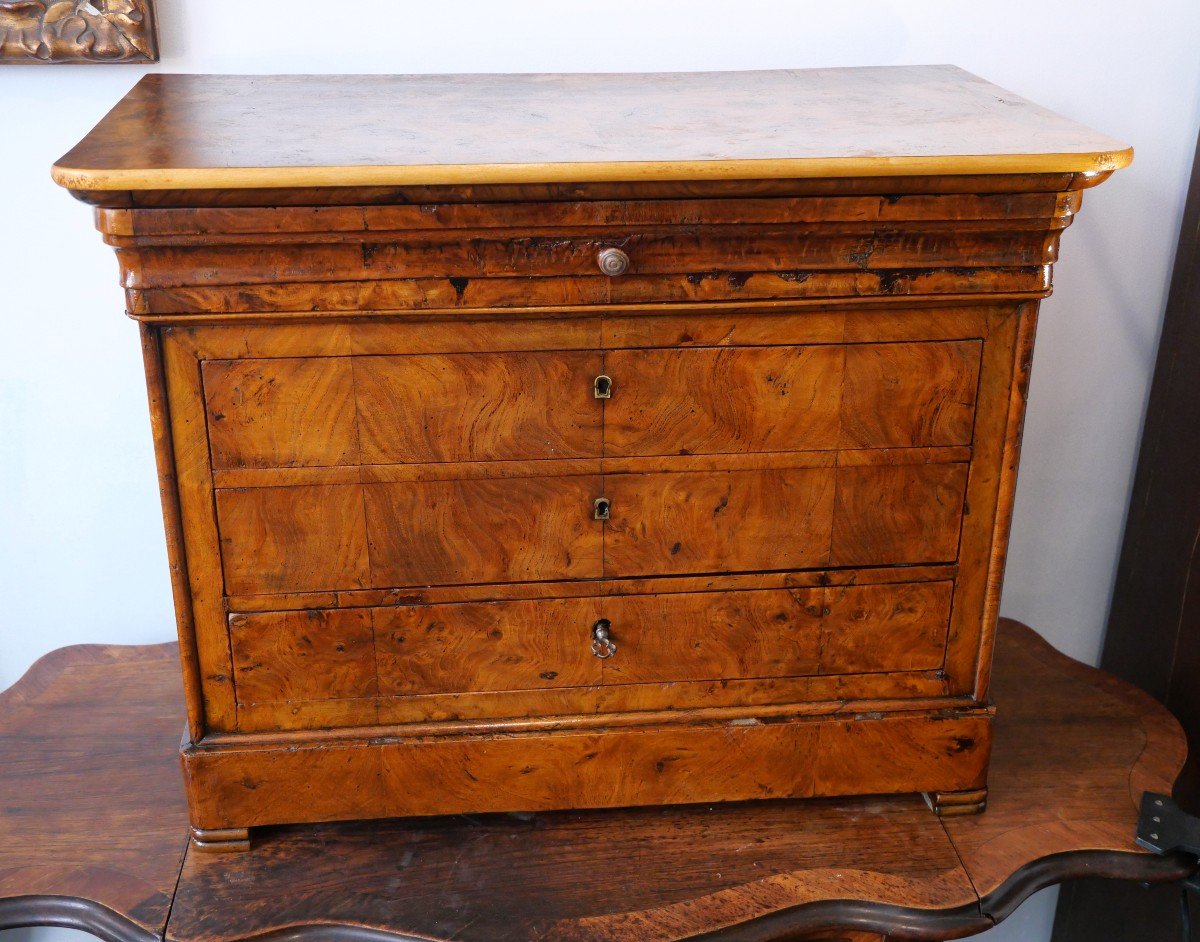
(34, 31)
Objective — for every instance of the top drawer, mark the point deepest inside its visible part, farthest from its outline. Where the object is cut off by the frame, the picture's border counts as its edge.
(429, 408)
(587, 251)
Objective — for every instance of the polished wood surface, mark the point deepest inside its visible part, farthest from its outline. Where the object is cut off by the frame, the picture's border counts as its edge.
(331, 654)
(1064, 789)
(439, 443)
(92, 813)
(240, 131)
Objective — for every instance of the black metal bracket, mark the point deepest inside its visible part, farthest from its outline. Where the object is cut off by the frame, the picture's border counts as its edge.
(1164, 828)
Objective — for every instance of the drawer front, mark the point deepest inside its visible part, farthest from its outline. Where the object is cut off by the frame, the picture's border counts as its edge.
(777, 633)
(326, 654)
(477, 407)
(722, 254)
(329, 411)
(293, 539)
(484, 530)
(313, 538)
(336, 537)
(295, 412)
(431, 408)
(735, 399)
(487, 646)
(482, 647)
(790, 518)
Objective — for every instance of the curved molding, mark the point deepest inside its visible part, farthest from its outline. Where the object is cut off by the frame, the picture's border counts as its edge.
(67, 912)
(1075, 865)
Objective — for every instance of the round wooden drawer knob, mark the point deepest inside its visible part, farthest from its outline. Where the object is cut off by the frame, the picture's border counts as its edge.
(612, 261)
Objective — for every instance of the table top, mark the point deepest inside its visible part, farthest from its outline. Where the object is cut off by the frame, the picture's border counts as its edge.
(93, 833)
(238, 131)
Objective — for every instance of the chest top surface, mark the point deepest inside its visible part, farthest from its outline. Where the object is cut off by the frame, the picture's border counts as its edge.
(229, 131)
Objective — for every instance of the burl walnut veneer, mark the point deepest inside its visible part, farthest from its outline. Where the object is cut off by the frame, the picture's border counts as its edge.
(534, 442)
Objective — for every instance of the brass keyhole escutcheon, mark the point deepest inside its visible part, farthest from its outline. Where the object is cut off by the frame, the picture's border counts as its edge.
(602, 387)
(603, 645)
(601, 508)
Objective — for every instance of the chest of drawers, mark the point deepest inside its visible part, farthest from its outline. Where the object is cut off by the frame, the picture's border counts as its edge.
(582, 441)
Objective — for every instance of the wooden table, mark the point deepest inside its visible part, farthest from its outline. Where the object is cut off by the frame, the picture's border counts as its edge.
(88, 747)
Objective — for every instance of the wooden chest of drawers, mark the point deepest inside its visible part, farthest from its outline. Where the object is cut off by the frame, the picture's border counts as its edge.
(546, 442)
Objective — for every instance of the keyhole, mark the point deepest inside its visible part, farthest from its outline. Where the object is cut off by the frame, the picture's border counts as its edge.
(602, 508)
(602, 387)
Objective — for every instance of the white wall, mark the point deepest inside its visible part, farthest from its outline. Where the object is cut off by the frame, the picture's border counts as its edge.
(81, 546)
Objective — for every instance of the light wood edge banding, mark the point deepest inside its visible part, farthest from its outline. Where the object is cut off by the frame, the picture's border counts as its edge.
(184, 178)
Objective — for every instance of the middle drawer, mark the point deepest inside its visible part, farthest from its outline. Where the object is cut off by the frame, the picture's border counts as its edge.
(314, 538)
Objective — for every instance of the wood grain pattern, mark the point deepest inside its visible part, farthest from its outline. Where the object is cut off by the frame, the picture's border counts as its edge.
(483, 530)
(991, 481)
(887, 185)
(564, 877)
(706, 636)
(487, 646)
(701, 401)
(367, 300)
(885, 628)
(575, 207)
(547, 707)
(168, 489)
(486, 254)
(311, 655)
(666, 763)
(200, 554)
(733, 399)
(709, 636)
(911, 513)
(909, 395)
(482, 647)
(715, 521)
(288, 539)
(90, 734)
(478, 407)
(1125, 730)
(281, 413)
(491, 129)
(783, 519)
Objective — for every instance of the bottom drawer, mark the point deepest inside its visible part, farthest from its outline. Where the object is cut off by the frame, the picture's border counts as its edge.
(482, 647)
